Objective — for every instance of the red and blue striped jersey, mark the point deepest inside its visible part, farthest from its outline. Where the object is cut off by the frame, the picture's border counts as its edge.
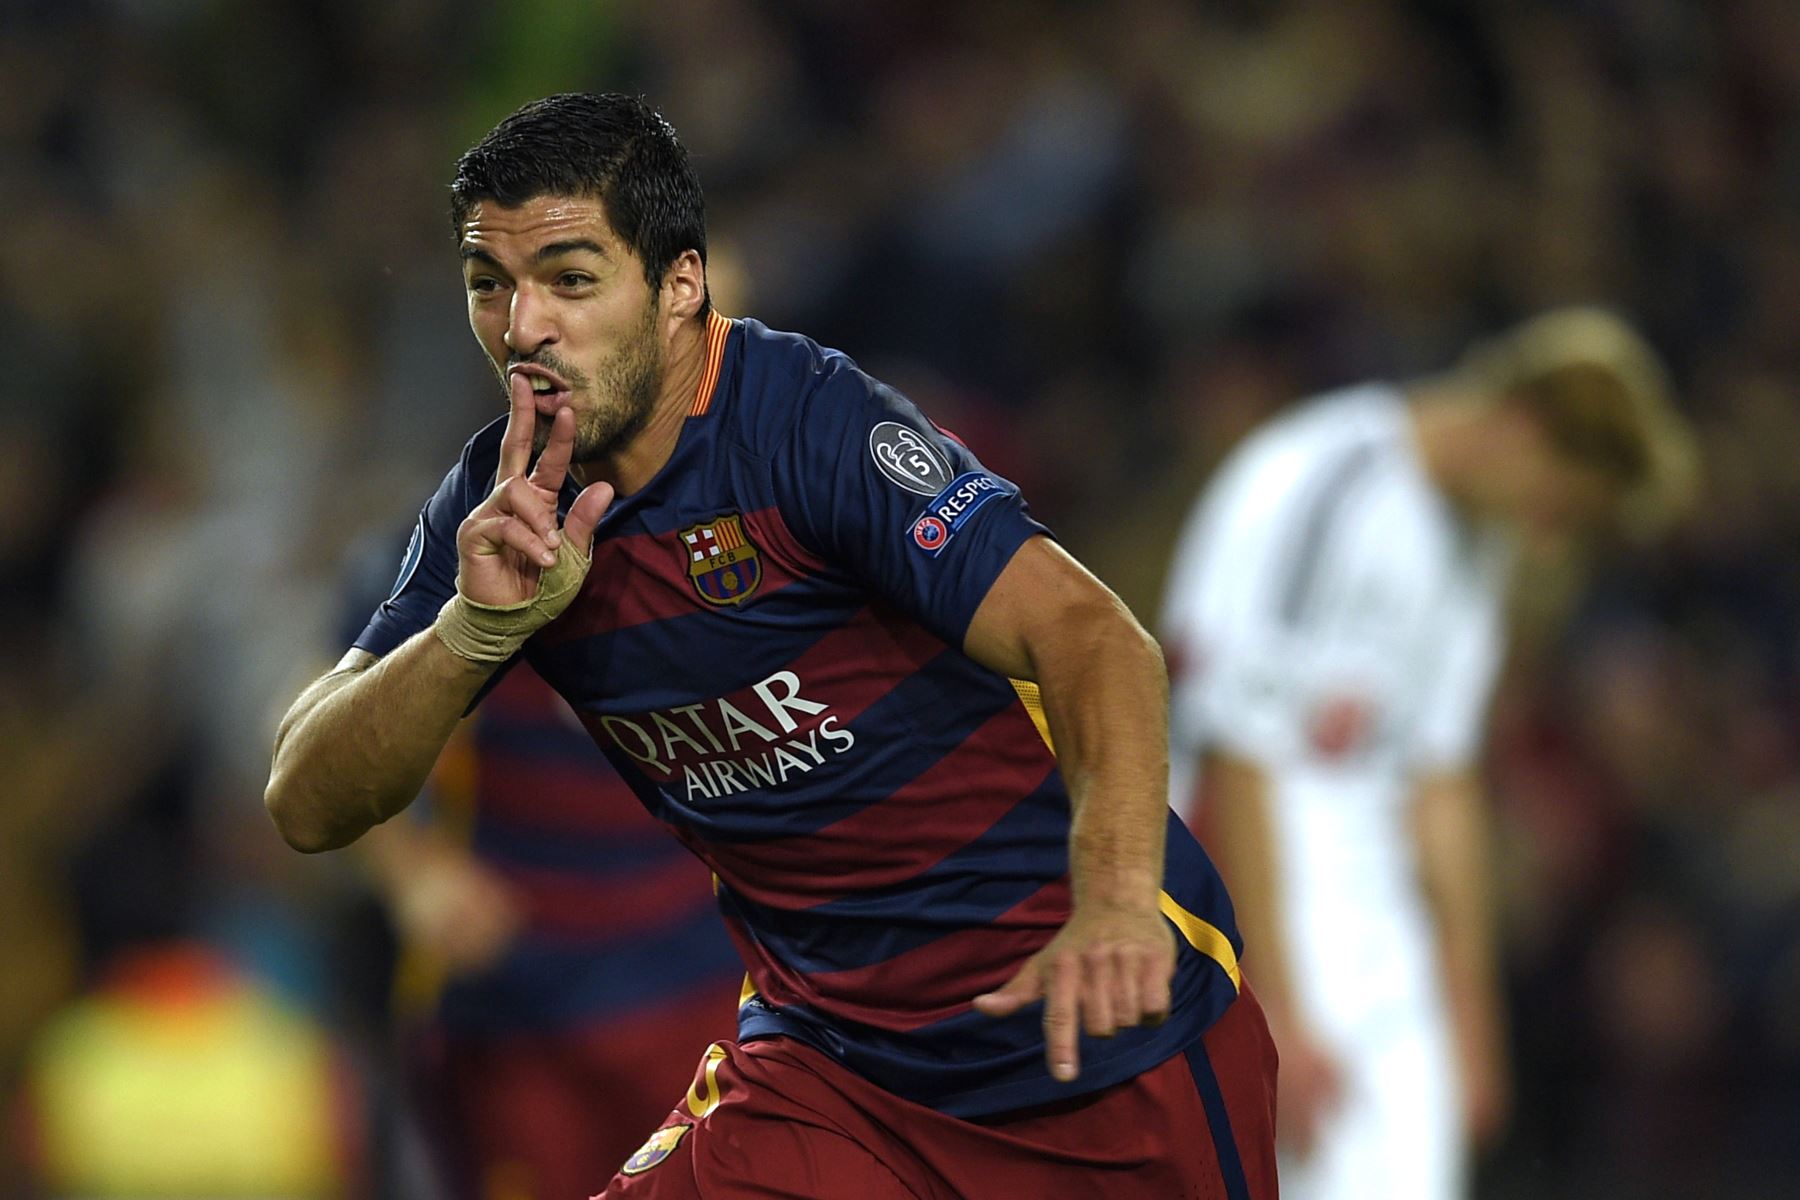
(768, 648)
(618, 918)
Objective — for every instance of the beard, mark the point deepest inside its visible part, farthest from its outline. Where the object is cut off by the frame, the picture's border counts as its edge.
(622, 389)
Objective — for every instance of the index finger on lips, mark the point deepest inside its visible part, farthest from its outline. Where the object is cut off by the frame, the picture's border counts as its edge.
(521, 427)
(553, 464)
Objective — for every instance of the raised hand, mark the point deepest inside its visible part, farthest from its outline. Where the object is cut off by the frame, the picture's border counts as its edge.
(507, 543)
(1108, 969)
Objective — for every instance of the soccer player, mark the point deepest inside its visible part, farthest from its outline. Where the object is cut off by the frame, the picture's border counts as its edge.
(1334, 612)
(833, 654)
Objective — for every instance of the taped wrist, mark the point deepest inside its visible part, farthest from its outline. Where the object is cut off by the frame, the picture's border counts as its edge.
(493, 633)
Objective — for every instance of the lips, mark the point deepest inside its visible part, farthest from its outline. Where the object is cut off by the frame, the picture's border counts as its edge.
(548, 389)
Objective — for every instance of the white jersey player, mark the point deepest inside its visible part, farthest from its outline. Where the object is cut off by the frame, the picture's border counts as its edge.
(1334, 616)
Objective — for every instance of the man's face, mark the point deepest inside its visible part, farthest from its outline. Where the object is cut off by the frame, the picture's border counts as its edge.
(554, 295)
(1546, 491)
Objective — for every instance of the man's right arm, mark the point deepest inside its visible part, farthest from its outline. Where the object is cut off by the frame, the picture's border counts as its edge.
(356, 747)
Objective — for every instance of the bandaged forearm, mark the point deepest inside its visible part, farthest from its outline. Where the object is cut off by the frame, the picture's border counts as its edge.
(493, 633)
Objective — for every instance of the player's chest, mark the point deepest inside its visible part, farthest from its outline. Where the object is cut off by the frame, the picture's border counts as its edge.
(686, 595)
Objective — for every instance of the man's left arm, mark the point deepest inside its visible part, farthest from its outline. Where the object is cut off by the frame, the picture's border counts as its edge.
(1105, 695)
(1450, 828)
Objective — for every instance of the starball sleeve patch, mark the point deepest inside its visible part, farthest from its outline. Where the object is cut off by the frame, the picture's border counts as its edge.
(906, 457)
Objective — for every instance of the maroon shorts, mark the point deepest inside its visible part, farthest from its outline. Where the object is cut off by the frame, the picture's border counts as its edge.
(777, 1118)
(552, 1114)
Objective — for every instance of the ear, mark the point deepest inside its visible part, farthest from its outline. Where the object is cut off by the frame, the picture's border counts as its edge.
(684, 285)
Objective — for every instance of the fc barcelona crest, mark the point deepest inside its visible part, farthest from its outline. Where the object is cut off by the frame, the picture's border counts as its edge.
(723, 563)
(662, 1143)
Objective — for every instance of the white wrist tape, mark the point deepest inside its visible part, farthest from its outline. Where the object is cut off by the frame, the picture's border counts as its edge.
(493, 633)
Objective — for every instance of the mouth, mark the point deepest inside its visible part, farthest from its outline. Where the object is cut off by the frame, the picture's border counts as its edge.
(548, 389)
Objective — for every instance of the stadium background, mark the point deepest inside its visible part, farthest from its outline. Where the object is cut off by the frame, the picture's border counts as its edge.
(1098, 240)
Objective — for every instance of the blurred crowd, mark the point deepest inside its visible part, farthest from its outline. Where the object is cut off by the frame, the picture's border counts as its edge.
(1099, 241)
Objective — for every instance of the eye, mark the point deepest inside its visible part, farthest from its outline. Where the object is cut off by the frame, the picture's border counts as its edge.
(573, 279)
(484, 285)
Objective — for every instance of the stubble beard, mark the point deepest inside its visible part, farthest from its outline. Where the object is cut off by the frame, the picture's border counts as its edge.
(623, 391)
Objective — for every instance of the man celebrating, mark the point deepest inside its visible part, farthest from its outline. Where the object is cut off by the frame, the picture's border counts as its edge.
(832, 654)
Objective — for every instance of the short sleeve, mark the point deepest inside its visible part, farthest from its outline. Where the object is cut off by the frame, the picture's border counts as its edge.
(907, 511)
(1286, 614)
(1237, 673)
(427, 575)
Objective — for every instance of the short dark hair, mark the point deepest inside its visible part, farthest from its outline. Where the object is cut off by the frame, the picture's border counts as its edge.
(610, 146)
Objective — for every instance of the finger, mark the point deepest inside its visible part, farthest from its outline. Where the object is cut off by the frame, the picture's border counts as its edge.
(1100, 978)
(520, 498)
(1019, 991)
(1153, 975)
(553, 464)
(521, 428)
(1128, 1004)
(506, 532)
(1062, 996)
(585, 514)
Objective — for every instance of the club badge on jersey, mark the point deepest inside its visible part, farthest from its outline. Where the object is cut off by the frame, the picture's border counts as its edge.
(722, 560)
(662, 1143)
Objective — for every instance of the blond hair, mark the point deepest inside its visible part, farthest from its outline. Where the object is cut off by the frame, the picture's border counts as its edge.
(1605, 400)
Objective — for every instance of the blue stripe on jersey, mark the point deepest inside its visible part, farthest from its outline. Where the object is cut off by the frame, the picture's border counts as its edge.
(969, 1065)
(537, 739)
(675, 658)
(1023, 852)
(575, 854)
(545, 983)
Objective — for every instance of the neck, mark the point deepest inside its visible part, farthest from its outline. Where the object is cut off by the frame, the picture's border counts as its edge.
(634, 464)
(1449, 429)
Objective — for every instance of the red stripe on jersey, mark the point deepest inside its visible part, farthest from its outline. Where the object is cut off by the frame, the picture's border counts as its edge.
(643, 578)
(855, 665)
(924, 985)
(558, 903)
(769, 530)
(952, 804)
(571, 798)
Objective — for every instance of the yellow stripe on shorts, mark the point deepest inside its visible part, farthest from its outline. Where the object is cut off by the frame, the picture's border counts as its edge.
(1204, 937)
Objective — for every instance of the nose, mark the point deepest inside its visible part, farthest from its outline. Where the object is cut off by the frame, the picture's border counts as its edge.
(530, 323)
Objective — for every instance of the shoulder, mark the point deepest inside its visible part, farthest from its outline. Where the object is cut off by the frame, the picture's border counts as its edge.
(789, 385)
(1321, 450)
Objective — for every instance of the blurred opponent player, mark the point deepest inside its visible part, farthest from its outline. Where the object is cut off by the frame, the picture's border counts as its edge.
(562, 962)
(982, 967)
(1335, 613)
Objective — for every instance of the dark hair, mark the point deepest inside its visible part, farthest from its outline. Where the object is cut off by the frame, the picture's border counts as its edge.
(614, 147)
